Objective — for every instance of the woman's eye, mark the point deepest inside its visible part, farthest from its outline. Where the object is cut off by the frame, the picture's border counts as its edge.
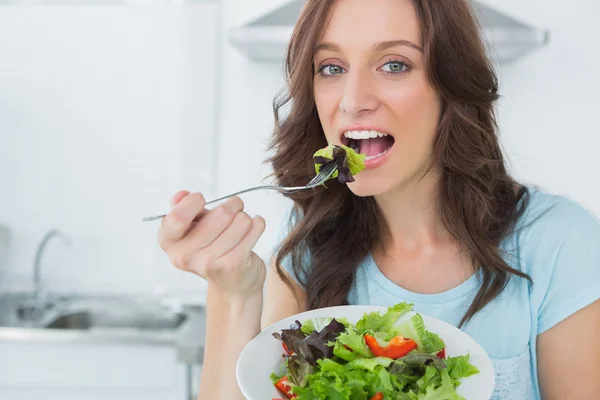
(395, 67)
(331, 69)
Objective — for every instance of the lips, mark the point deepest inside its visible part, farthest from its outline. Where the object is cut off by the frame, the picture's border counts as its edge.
(370, 142)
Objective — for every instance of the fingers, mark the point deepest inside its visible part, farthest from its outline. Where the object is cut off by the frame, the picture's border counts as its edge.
(178, 221)
(178, 197)
(214, 244)
(230, 256)
(232, 236)
(240, 254)
(250, 239)
(213, 224)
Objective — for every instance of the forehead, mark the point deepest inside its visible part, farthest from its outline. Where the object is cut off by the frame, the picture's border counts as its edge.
(358, 24)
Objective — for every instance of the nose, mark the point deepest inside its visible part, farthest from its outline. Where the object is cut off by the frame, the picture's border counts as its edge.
(359, 96)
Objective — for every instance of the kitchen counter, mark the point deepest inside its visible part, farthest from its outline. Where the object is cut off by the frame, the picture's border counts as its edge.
(188, 338)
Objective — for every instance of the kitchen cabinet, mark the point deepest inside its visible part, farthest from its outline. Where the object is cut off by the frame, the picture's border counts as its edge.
(92, 371)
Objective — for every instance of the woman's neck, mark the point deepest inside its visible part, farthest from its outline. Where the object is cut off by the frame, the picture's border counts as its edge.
(413, 215)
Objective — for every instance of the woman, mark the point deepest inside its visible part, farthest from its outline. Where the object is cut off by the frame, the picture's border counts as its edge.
(434, 220)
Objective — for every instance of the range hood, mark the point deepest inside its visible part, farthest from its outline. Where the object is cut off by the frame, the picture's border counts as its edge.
(266, 38)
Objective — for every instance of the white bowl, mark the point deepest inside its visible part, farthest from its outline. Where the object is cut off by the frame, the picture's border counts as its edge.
(262, 355)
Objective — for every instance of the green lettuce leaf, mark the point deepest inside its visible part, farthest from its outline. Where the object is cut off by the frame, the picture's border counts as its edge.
(369, 363)
(414, 328)
(350, 163)
(375, 322)
(427, 378)
(299, 370)
(355, 342)
(317, 324)
(274, 377)
(419, 360)
(355, 379)
(435, 342)
(460, 367)
(385, 380)
(322, 387)
(339, 381)
(340, 351)
(356, 161)
(329, 366)
(445, 391)
(362, 378)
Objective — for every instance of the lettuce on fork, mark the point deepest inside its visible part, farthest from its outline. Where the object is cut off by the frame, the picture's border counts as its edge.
(351, 162)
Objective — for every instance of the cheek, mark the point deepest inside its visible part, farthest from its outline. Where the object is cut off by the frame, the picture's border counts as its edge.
(416, 109)
(327, 101)
(414, 103)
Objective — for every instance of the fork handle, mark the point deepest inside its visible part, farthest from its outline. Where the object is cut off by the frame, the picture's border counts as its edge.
(321, 177)
(273, 187)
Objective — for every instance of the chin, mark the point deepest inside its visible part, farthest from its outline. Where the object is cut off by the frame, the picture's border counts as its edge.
(364, 186)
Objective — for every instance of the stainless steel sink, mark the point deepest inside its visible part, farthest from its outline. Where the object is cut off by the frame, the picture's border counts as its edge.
(90, 319)
(18, 310)
(88, 313)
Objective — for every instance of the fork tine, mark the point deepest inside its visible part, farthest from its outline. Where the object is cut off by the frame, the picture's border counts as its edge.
(315, 178)
(321, 174)
(324, 174)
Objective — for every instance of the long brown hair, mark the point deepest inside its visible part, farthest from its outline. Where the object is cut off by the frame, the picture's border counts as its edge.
(479, 201)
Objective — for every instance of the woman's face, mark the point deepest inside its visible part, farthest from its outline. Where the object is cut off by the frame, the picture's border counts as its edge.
(372, 92)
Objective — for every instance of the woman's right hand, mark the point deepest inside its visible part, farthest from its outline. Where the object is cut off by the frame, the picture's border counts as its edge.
(214, 244)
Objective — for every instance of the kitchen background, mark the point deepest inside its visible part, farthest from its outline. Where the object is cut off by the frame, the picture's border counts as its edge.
(107, 108)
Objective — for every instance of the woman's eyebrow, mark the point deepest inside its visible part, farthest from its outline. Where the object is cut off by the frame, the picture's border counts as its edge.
(381, 46)
(326, 46)
(377, 47)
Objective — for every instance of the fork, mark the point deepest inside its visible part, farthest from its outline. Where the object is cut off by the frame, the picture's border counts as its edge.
(325, 173)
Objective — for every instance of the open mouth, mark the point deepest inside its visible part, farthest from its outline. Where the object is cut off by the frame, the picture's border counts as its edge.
(372, 144)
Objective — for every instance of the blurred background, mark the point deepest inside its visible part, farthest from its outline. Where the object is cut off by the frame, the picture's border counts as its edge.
(108, 107)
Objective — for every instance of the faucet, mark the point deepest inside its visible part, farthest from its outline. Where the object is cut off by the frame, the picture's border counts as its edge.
(40, 252)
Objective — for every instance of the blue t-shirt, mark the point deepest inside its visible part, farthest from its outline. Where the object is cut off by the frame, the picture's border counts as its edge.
(556, 242)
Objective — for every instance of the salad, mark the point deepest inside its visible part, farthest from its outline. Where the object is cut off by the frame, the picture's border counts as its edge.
(351, 163)
(379, 358)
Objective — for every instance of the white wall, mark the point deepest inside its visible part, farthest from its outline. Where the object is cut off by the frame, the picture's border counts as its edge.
(246, 121)
(105, 111)
(549, 111)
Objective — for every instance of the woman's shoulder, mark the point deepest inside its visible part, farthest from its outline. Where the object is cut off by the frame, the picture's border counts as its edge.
(559, 247)
(553, 217)
(556, 229)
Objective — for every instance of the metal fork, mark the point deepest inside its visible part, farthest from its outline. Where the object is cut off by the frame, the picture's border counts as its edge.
(319, 179)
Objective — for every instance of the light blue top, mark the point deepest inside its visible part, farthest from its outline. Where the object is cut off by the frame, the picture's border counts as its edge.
(557, 242)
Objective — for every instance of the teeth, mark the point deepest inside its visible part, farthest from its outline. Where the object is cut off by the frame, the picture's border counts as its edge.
(363, 134)
(367, 158)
